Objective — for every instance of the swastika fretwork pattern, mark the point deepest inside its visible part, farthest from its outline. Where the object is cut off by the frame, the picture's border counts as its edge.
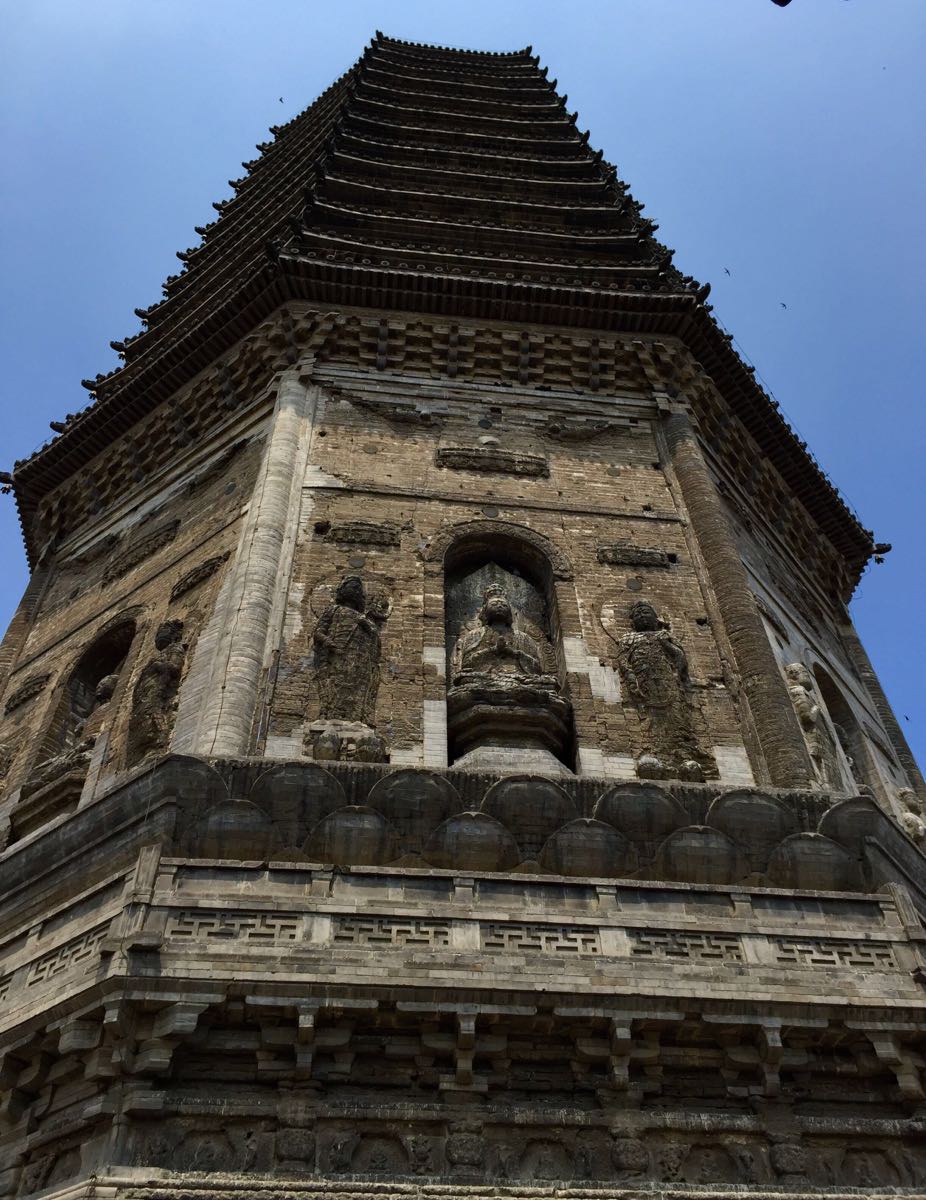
(519, 937)
(388, 931)
(833, 952)
(249, 926)
(673, 943)
(69, 954)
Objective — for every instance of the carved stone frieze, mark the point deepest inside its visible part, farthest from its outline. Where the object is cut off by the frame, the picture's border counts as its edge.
(570, 429)
(104, 546)
(396, 411)
(492, 460)
(141, 547)
(622, 555)
(26, 691)
(385, 534)
(201, 572)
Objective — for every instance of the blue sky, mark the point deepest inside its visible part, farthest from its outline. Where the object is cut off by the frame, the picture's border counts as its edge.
(782, 144)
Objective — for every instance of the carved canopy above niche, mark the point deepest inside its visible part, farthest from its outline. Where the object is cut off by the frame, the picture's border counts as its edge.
(497, 532)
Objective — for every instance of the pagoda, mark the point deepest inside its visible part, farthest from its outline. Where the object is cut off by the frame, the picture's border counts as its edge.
(437, 758)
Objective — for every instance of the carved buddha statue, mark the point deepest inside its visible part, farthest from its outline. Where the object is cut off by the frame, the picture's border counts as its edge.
(504, 689)
(497, 642)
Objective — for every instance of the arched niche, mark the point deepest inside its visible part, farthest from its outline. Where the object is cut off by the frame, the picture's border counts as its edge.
(857, 765)
(55, 782)
(507, 696)
(89, 687)
(524, 541)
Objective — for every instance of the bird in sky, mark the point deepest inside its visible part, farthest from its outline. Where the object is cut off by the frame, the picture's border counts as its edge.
(726, 270)
(281, 99)
(782, 303)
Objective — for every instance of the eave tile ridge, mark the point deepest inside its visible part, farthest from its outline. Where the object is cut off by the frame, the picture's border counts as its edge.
(316, 240)
(550, 102)
(562, 123)
(569, 184)
(406, 147)
(433, 222)
(382, 39)
(380, 69)
(504, 203)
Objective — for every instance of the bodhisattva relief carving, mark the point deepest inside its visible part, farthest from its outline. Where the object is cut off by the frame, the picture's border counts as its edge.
(821, 744)
(154, 698)
(653, 668)
(504, 689)
(911, 816)
(347, 647)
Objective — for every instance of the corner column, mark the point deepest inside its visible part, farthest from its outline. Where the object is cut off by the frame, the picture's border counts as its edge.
(780, 739)
(220, 699)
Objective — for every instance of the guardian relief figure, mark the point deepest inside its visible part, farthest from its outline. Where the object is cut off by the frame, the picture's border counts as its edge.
(821, 744)
(653, 668)
(347, 645)
(155, 694)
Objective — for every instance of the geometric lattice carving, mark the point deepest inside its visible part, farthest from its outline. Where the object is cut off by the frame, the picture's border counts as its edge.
(389, 931)
(513, 937)
(67, 955)
(672, 943)
(833, 952)
(249, 926)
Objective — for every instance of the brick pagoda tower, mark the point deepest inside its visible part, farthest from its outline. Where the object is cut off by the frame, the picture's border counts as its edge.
(438, 760)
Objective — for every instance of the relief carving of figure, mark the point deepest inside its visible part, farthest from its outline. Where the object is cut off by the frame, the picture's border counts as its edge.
(821, 744)
(347, 645)
(347, 649)
(654, 671)
(911, 816)
(155, 693)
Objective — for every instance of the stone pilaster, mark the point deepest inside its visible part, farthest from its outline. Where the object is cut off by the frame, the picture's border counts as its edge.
(220, 698)
(779, 735)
